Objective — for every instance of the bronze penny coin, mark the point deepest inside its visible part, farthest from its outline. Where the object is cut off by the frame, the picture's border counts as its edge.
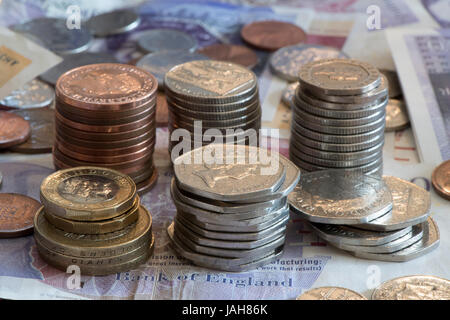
(110, 86)
(162, 110)
(146, 185)
(231, 53)
(42, 122)
(441, 179)
(14, 129)
(17, 212)
(272, 35)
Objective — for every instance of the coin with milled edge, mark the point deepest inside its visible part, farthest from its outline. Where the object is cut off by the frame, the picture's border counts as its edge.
(14, 130)
(236, 173)
(88, 193)
(331, 293)
(415, 287)
(411, 205)
(165, 40)
(231, 53)
(111, 23)
(287, 61)
(395, 89)
(441, 179)
(430, 241)
(396, 115)
(34, 94)
(16, 214)
(340, 197)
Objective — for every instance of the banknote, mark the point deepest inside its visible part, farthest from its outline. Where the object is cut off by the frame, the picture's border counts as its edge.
(440, 10)
(421, 57)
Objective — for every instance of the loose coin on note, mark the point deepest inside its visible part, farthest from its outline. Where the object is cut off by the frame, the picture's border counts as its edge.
(14, 129)
(330, 293)
(395, 90)
(166, 39)
(112, 23)
(33, 94)
(17, 212)
(231, 53)
(289, 93)
(441, 179)
(396, 115)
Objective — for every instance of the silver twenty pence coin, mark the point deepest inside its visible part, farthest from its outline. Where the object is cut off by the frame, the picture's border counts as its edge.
(166, 39)
(112, 23)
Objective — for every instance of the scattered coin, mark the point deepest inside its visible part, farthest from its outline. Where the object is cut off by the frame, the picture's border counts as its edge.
(73, 61)
(156, 40)
(395, 89)
(340, 197)
(159, 63)
(289, 93)
(42, 125)
(287, 61)
(330, 293)
(112, 23)
(33, 94)
(272, 35)
(441, 179)
(16, 214)
(231, 53)
(14, 129)
(396, 115)
(417, 287)
(55, 36)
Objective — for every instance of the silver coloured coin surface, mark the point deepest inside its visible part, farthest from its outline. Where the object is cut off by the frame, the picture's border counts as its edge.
(340, 77)
(73, 61)
(54, 35)
(415, 287)
(430, 241)
(287, 61)
(235, 173)
(34, 94)
(395, 90)
(396, 115)
(166, 39)
(159, 63)
(340, 197)
(331, 293)
(289, 93)
(112, 23)
(411, 205)
(342, 234)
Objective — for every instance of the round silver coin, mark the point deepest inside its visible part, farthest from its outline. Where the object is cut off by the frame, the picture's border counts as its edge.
(411, 205)
(340, 77)
(54, 35)
(340, 197)
(430, 241)
(34, 94)
(74, 61)
(166, 39)
(416, 287)
(395, 90)
(287, 62)
(112, 23)
(289, 93)
(159, 63)
(330, 293)
(396, 115)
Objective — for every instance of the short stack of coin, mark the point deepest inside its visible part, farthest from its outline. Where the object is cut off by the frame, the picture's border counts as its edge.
(339, 116)
(231, 216)
(91, 217)
(378, 219)
(211, 98)
(105, 116)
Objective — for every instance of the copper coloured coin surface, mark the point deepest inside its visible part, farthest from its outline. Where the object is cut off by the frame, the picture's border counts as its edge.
(17, 212)
(272, 35)
(162, 110)
(441, 179)
(231, 53)
(14, 130)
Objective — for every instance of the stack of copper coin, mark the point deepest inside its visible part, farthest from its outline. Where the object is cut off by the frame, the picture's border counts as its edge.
(92, 218)
(105, 117)
(212, 99)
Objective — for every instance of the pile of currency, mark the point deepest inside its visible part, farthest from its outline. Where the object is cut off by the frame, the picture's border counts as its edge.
(212, 99)
(379, 219)
(339, 116)
(231, 212)
(92, 217)
(105, 117)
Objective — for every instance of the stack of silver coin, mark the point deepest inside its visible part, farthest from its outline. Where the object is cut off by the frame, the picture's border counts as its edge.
(208, 98)
(231, 212)
(339, 116)
(384, 219)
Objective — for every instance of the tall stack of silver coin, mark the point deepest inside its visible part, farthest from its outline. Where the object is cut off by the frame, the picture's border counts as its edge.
(339, 116)
(231, 216)
(378, 219)
(212, 98)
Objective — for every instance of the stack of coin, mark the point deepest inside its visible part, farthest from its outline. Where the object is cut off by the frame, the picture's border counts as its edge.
(211, 98)
(105, 117)
(339, 116)
(231, 206)
(378, 219)
(92, 217)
